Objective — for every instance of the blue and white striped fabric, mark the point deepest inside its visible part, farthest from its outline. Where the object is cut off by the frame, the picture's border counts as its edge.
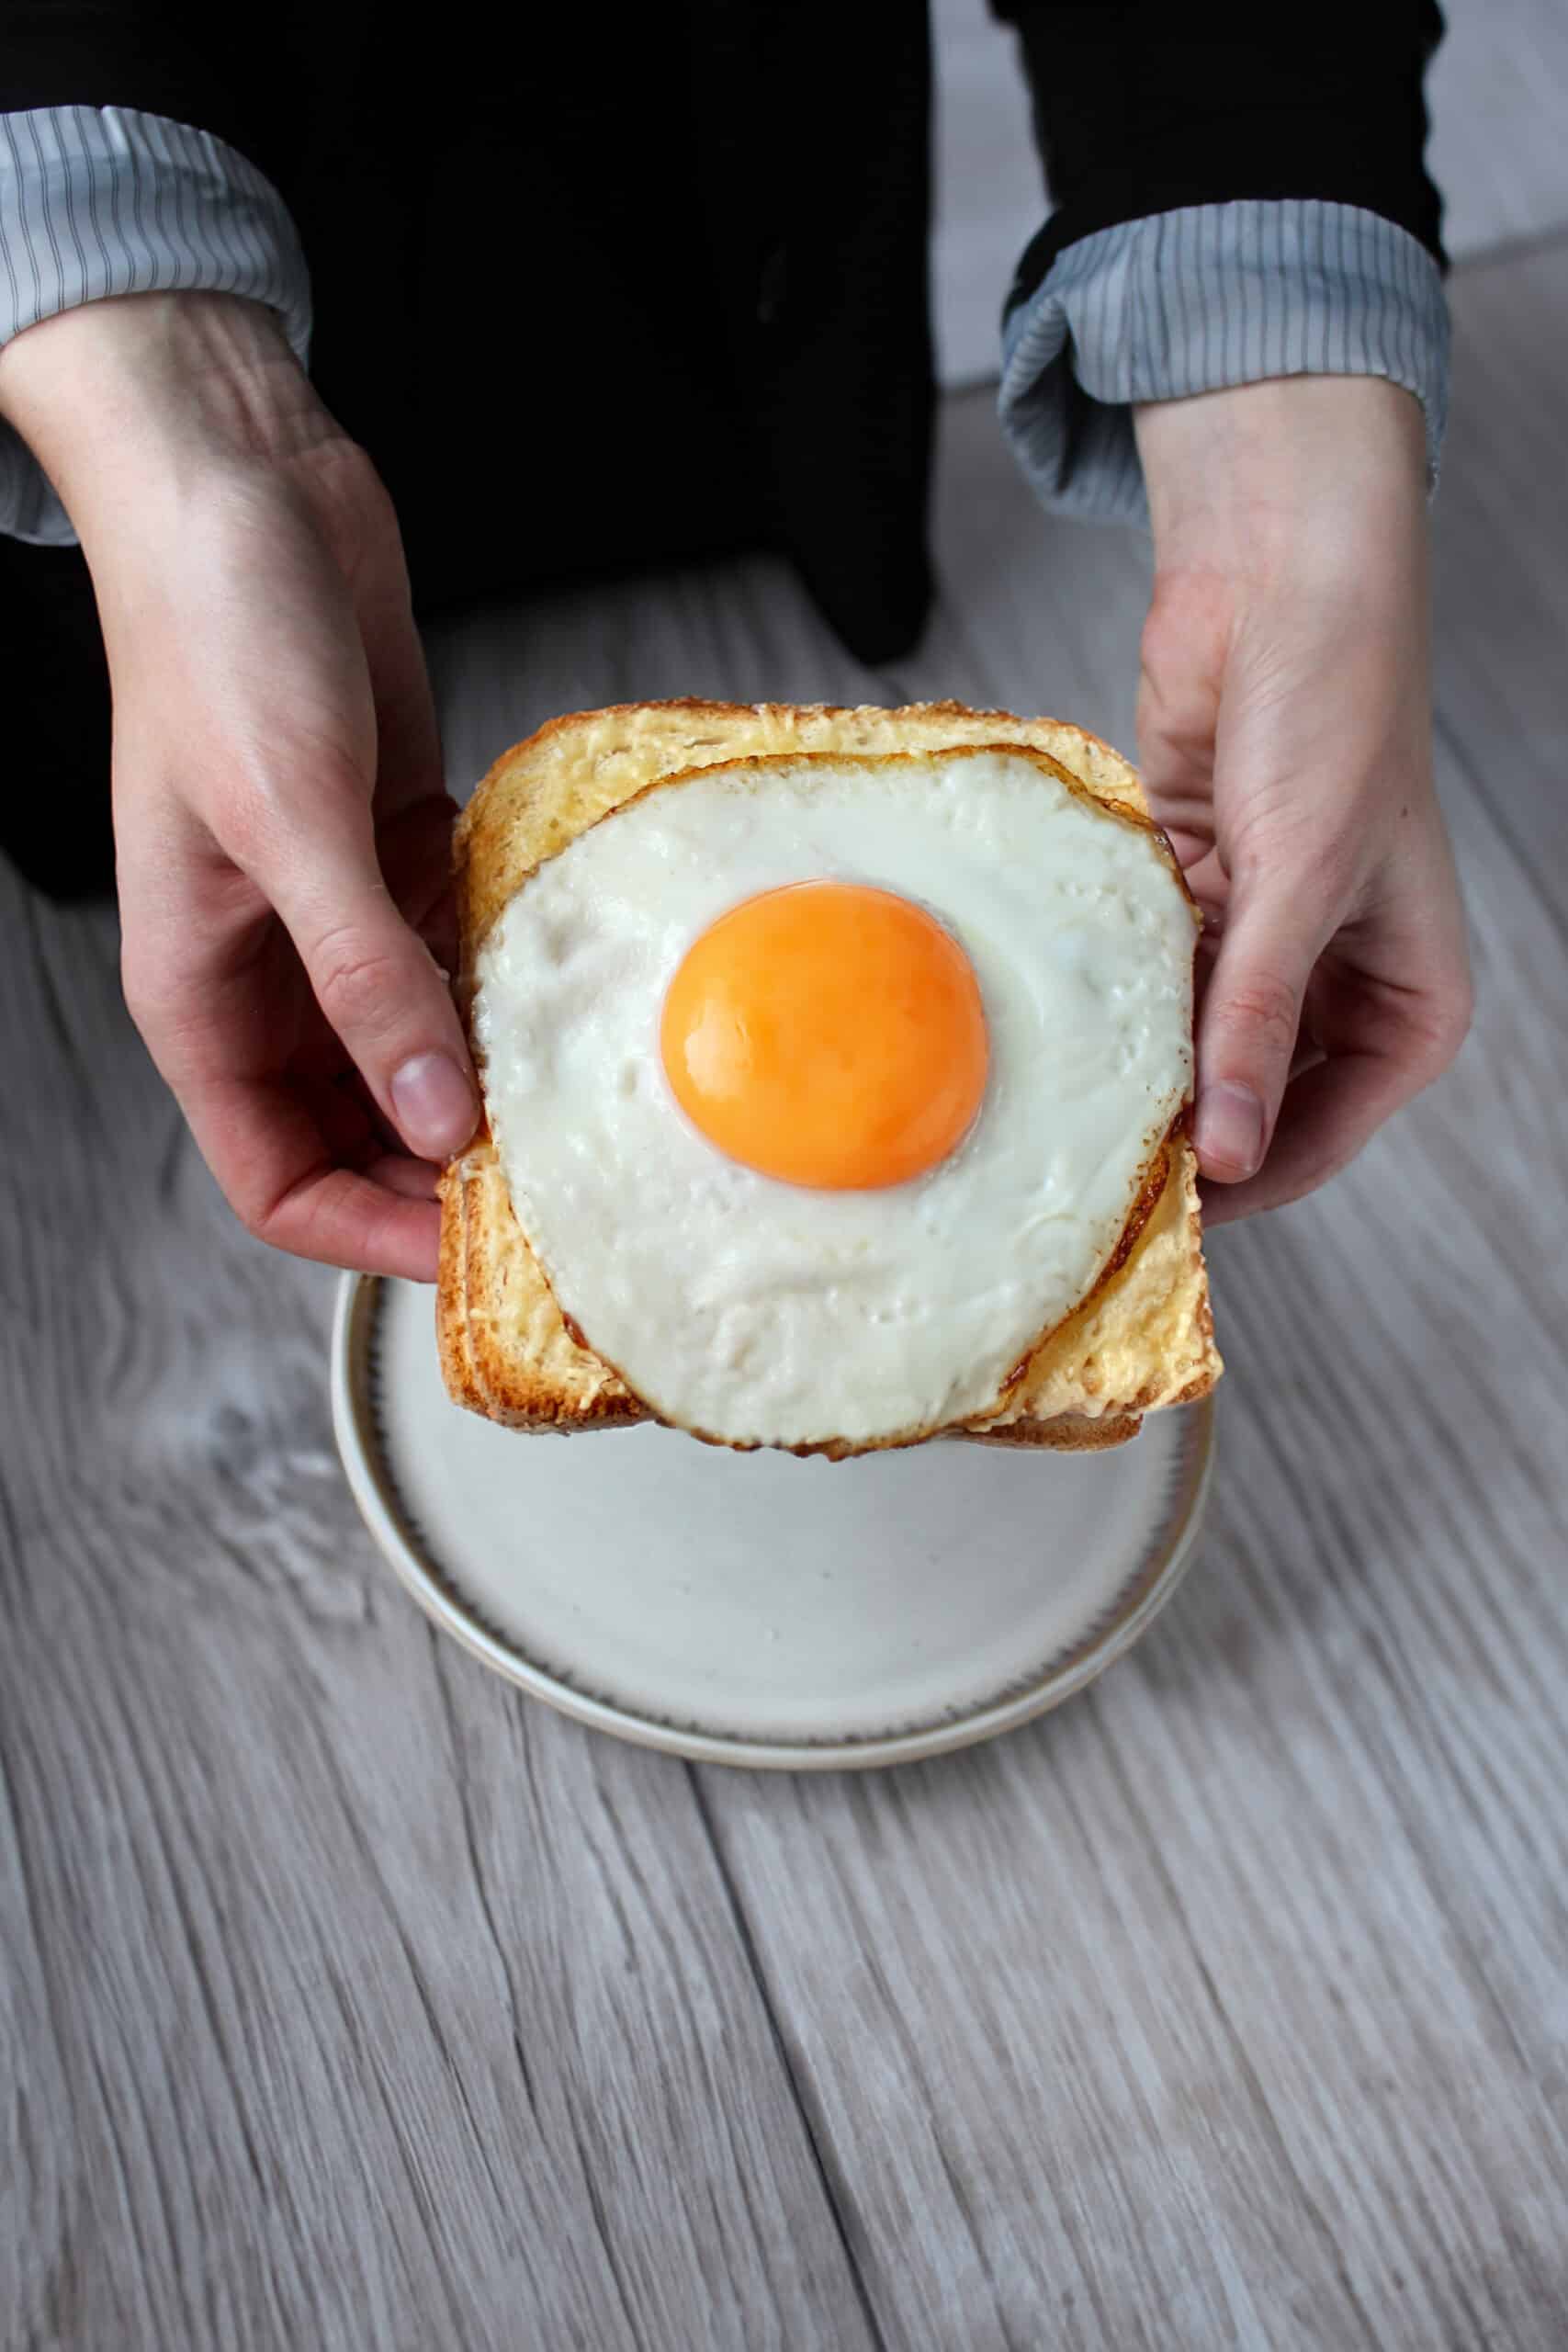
(98, 201)
(1195, 301)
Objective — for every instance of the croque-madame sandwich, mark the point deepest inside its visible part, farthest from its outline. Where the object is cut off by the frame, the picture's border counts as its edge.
(837, 1067)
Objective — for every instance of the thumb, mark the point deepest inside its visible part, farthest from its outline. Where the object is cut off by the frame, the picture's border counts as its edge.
(379, 988)
(1251, 1017)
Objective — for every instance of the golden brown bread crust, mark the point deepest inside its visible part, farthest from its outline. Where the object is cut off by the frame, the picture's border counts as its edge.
(1068, 1433)
(545, 791)
(1141, 1339)
(506, 1351)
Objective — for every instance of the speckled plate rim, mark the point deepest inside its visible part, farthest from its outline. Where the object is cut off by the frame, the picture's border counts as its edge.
(374, 1491)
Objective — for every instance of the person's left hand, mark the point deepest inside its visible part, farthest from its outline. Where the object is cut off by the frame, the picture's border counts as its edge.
(1284, 729)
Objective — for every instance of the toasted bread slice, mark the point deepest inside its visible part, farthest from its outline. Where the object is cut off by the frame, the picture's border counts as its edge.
(1141, 1339)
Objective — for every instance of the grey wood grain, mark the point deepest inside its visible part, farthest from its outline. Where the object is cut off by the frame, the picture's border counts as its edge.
(988, 196)
(348, 2000)
(1232, 2006)
(1496, 93)
(1502, 582)
(345, 2001)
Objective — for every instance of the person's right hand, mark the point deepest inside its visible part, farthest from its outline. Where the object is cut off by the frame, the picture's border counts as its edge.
(1285, 730)
(281, 823)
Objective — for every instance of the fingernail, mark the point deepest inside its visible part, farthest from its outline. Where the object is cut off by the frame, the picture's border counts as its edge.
(434, 1104)
(1230, 1131)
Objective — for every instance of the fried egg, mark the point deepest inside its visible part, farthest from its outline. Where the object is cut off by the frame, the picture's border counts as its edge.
(825, 1087)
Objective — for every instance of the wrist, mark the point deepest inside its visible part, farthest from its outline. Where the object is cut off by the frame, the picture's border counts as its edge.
(119, 395)
(1260, 472)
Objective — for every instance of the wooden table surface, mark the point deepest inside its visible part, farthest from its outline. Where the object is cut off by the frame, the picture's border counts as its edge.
(350, 2000)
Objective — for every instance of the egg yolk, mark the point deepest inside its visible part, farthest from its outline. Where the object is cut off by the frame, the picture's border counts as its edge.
(827, 1033)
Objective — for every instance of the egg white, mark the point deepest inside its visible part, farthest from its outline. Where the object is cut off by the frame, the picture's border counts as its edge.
(763, 1313)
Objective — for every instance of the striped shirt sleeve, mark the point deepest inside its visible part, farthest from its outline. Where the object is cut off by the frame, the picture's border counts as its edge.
(95, 201)
(1200, 299)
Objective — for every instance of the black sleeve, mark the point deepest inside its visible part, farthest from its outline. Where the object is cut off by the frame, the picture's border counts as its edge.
(1142, 107)
(239, 78)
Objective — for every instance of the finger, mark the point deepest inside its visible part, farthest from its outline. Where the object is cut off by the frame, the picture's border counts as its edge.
(416, 859)
(344, 1121)
(356, 1135)
(412, 808)
(1250, 1025)
(414, 813)
(415, 1179)
(408, 768)
(378, 986)
(1369, 1044)
(267, 1150)
(1206, 878)
(1328, 1113)
(1183, 652)
(1306, 1056)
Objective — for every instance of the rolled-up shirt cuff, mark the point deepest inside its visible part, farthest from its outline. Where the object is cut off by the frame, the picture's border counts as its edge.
(95, 201)
(1197, 299)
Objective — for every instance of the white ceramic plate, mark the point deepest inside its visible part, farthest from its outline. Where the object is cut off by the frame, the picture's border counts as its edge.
(754, 1608)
